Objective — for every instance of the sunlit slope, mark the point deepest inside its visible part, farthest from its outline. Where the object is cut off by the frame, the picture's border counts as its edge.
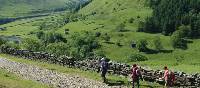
(13, 8)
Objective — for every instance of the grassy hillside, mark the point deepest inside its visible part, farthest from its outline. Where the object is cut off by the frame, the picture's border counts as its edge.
(104, 16)
(15, 8)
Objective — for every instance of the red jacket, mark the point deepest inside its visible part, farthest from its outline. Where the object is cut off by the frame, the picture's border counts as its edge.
(167, 75)
(136, 74)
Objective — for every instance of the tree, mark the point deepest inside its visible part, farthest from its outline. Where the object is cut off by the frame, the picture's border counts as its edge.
(136, 57)
(142, 45)
(82, 45)
(168, 15)
(184, 31)
(157, 43)
(178, 37)
(12, 44)
(178, 42)
(58, 48)
(51, 37)
(2, 41)
(32, 44)
(150, 26)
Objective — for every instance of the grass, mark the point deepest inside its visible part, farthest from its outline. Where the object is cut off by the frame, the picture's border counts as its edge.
(113, 79)
(111, 13)
(178, 60)
(10, 80)
(16, 8)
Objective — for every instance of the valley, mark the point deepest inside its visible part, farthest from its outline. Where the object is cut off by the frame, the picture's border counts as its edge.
(113, 29)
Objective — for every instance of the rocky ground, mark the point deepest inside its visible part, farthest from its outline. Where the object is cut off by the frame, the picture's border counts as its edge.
(55, 79)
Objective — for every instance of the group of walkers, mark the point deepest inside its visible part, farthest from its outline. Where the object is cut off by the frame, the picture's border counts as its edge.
(136, 75)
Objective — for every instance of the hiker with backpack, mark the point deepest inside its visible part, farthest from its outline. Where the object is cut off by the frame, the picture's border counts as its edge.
(136, 76)
(169, 77)
(104, 69)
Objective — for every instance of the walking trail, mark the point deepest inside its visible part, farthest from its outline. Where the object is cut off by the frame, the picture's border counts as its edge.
(53, 78)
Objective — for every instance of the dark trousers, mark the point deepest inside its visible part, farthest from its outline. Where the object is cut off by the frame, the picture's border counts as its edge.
(136, 81)
(103, 75)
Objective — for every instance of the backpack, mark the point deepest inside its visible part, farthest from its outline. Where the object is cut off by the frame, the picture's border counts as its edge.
(135, 74)
(104, 65)
(171, 76)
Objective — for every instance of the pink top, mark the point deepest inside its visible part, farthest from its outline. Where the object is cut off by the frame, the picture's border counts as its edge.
(166, 74)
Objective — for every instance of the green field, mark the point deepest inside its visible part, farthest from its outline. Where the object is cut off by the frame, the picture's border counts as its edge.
(103, 16)
(180, 60)
(21, 8)
(10, 80)
(110, 18)
(111, 13)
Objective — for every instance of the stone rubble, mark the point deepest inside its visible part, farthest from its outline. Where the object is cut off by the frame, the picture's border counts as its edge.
(55, 79)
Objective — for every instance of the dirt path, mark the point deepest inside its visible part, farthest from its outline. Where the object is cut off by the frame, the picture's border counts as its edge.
(52, 78)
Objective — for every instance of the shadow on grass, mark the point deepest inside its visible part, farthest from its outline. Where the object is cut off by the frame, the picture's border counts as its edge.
(115, 83)
(189, 41)
(149, 86)
(2, 86)
(109, 42)
(151, 51)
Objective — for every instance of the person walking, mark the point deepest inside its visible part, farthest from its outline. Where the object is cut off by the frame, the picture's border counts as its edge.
(136, 76)
(169, 77)
(104, 69)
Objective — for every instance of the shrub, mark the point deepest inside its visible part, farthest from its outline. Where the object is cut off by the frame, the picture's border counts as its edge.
(40, 34)
(12, 45)
(177, 41)
(51, 37)
(178, 37)
(106, 2)
(2, 41)
(81, 45)
(149, 26)
(120, 35)
(118, 43)
(32, 44)
(133, 44)
(157, 43)
(66, 31)
(131, 20)
(58, 48)
(142, 45)
(141, 26)
(138, 17)
(32, 32)
(121, 27)
(184, 31)
(137, 57)
(106, 37)
(98, 34)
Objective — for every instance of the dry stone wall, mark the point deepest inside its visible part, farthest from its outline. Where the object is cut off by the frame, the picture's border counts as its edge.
(182, 79)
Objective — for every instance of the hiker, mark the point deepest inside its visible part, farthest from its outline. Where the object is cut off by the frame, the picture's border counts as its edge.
(169, 77)
(136, 75)
(104, 69)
